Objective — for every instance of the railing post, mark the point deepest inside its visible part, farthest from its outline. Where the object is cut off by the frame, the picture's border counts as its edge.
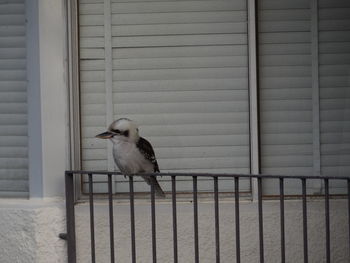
(305, 236)
(328, 244)
(173, 196)
(132, 219)
(92, 220)
(111, 221)
(261, 224)
(71, 246)
(283, 243)
(195, 219)
(217, 221)
(238, 238)
(349, 211)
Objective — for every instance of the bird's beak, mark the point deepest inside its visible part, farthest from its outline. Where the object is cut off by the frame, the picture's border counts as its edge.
(105, 135)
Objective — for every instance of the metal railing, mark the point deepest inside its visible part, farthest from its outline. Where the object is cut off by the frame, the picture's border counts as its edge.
(70, 202)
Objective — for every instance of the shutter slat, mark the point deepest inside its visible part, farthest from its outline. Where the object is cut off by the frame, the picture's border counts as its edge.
(334, 3)
(333, 13)
(177, 29)
(177, 6)
(178, 17)
(170, 63)
(13, 186)
(284, 14)
(12, 53)
(182, 107)
(182, 130)
(284, 49)
(179, 152)
(12, 64)
(13, 174)
(283, 4)
(17, 130)
(6, 19)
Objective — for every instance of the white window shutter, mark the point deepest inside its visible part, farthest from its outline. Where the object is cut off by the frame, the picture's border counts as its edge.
(179, 69)
(285, 91)
(334, 45)
(13, 101)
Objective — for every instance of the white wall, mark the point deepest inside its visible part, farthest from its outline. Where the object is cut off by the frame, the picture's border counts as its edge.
(53, 84)
(29, 231)
(48, 96)
(249, 232)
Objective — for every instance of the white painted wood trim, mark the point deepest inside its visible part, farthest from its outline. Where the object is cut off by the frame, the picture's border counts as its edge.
(315, 93)
(253, 96)
(74, 154)
(109, 80)
(35, 159)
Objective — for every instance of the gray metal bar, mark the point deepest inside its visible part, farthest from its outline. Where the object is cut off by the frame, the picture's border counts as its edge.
(195, 219)
(217, 225)
(111, 221)
(238, 238)
(261, 226)
(132, 219)
(316, 131)
(253, 84)
(349, 211)
(71, 245)
(328, 245)
(283, 244)
(173, 196)
(92, 224)
(304, 221)
(275, 176)
(153, 214)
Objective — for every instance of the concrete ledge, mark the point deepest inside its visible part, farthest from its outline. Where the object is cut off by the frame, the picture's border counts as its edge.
(29, 231)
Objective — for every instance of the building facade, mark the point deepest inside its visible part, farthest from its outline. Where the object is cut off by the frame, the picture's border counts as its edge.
(228, 87)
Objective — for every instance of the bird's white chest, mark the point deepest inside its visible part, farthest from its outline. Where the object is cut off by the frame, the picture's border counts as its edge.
(129, 159)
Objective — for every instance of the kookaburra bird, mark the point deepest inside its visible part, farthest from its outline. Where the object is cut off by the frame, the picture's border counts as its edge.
(132, 153)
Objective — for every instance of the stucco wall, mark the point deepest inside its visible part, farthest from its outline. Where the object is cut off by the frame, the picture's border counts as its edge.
(29, 231)
(249, 232)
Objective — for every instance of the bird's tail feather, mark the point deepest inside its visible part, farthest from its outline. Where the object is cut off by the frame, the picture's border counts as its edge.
(152, 180)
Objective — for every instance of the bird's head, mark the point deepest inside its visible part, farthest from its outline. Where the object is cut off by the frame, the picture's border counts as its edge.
(121, 130)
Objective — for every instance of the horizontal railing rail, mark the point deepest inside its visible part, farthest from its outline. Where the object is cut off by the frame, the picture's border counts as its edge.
(70, 212)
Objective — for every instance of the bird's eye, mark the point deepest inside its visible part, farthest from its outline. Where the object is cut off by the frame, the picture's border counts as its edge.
(116, 131)
(126, 133)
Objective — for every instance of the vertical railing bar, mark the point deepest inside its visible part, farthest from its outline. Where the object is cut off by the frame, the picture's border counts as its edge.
(111, 221)
(261, 226)
(349, 213)
(303, 180)
(283, 245)
(328, 245)
(238, 238)
(195, 220)
(217, 224)
(71, 245)
(153, 214)
(92, 224)
(132, 219)
(173, 197)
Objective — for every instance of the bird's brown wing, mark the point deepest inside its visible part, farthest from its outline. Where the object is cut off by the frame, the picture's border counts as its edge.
(146, 149)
